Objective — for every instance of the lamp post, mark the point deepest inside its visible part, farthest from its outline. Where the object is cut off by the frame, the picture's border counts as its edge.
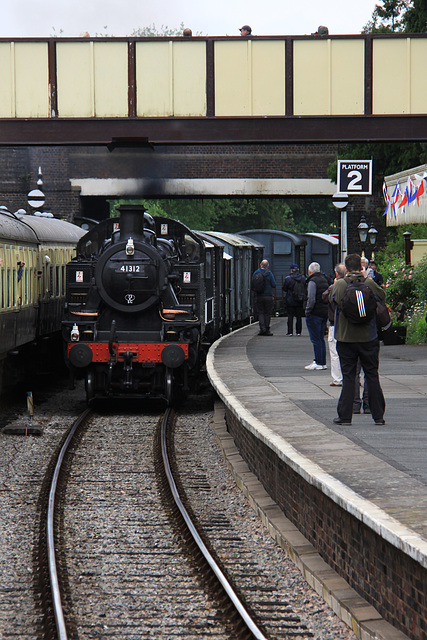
(367, 234)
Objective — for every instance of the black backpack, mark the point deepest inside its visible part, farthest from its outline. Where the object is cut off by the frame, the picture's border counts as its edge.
(298, 292)
(258, 282)
(359, 303)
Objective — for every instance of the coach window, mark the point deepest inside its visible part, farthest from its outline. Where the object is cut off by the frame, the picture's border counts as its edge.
(14, 294)
(282, 247)
(57, 282)
(8, 288)
(208, 264)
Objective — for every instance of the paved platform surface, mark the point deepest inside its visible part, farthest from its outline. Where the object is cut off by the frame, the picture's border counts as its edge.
(385, 466)
(402, 441)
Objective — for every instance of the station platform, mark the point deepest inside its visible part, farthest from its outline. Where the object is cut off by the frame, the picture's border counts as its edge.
(376, 474)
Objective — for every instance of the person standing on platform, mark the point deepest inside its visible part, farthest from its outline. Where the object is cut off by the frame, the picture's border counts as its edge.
(376, 276)
(336, 374)
(354, 342)
(265, 299)
(316, 315)
(294, 288)
(366, 269)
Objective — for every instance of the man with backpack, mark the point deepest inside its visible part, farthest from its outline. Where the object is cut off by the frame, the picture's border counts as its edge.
(294, 288)
(263, 284)
(357, 337)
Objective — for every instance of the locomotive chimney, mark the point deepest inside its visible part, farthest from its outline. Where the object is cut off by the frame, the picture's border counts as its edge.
(131, 221)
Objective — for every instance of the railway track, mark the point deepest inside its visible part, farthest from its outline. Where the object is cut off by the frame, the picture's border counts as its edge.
(126, 568)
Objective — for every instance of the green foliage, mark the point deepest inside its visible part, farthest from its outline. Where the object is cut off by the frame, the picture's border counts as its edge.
(415, 17)
(399, 283)
(416, 332)
(387, 17)
(420, 281)
(407, 285)
(396, 243)
(233, 215)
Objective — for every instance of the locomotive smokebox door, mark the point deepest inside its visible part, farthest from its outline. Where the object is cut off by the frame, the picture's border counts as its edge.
(130, 283)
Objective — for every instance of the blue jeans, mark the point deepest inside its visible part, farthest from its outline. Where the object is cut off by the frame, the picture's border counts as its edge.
(316, 327)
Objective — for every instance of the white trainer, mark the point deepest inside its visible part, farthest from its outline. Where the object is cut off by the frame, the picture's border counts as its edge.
(313, 366)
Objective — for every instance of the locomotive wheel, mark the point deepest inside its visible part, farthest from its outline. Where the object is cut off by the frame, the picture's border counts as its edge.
(169, 386)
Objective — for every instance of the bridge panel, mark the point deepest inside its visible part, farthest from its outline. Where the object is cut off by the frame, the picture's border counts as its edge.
(250, 78)
(24, 81)
(86, 74)
(75, 79)
(329, 77)
(171, 78)
(111, 79)
(400, 85)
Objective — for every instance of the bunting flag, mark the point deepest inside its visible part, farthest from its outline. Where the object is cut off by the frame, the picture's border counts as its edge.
(395, 197)
(411, 191)
(421, 186)
(414, 190)
(420, 191)
(386, 198)
(404, 200)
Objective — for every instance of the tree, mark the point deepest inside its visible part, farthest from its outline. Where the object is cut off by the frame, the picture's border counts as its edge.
(163, 31)
(387, 17)
(415, 18)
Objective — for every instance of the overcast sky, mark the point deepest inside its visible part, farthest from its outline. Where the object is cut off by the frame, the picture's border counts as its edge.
(21, 18)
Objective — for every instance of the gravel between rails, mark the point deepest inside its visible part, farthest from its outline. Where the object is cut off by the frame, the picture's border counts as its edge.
(269, 567)
(23, 462)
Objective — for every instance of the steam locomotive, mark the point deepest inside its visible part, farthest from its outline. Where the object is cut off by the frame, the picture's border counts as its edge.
(146, 297)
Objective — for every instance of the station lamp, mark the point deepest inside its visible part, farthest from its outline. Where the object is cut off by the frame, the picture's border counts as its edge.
(372, 235)
(362, 229)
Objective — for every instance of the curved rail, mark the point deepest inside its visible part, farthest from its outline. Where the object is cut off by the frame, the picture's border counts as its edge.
(53, 575)
(208, 557)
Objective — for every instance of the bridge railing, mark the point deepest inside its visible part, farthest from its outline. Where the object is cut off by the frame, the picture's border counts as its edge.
(208, 77)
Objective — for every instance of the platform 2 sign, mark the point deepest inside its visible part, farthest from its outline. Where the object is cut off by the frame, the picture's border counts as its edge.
(354, 177)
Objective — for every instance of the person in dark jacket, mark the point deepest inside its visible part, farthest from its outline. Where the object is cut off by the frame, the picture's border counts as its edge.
(265, 300)
(316, 315)
(294, 305)
(354, 342)
(376, 276)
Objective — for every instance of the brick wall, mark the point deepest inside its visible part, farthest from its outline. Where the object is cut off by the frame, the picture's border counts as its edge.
(391, 581)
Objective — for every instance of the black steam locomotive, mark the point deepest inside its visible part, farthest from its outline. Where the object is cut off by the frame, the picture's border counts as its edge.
(146, 297)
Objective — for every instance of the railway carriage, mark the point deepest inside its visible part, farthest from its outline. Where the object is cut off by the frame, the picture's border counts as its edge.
(323, 249)
(33, 255)
(244, 254)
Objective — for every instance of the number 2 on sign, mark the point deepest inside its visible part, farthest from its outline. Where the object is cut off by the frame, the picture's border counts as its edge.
(353, 184)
